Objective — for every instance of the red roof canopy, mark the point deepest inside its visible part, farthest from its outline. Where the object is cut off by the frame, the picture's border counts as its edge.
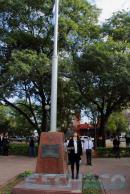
(84, 126)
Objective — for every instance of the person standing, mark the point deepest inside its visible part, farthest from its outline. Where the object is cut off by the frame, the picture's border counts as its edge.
(75, 152)
(127, 141)
(6, 144)
(88, 145)
(32, 147)
(116, 147)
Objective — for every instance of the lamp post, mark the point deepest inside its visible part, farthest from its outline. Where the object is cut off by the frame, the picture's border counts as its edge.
(47, 108)
(53, 123)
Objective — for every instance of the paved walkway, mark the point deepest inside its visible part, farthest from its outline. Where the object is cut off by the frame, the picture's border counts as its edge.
(10, 166)
(114, 173)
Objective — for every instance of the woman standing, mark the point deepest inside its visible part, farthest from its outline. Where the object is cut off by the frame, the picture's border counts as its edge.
(75, 152)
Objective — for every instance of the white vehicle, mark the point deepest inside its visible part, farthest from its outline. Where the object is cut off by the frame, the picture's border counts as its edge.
(17, 138)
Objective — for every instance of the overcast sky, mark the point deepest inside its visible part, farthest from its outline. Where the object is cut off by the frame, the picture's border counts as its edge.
(110, 6)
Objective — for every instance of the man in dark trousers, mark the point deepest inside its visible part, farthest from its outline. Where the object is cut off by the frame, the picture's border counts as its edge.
(88, 145)
(6, 144)
(75, 151)
(32, 147)
(116, 147)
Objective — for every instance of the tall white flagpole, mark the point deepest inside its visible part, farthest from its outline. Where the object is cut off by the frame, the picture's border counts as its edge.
(53, 123)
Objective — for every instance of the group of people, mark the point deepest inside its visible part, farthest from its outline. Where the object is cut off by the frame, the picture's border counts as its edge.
(75, 148)
(4, 144)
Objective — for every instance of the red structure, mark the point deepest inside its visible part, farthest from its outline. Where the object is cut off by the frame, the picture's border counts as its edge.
(85, 129)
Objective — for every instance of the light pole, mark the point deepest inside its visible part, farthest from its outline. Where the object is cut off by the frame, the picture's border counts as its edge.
(47, 108)
(53, 123)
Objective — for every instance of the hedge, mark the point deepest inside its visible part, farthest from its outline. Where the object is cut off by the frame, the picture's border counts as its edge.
(23, 149)
(19, 149)
(108, 152)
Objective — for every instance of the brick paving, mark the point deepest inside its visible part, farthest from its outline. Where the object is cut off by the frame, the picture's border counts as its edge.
(114, 173)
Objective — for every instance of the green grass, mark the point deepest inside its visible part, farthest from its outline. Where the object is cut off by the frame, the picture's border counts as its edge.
(7, 188)
(91, 184)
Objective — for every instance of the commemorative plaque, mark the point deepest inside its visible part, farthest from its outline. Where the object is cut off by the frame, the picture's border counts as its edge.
(52, 151)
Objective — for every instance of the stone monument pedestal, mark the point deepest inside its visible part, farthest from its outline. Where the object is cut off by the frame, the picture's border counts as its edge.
(49, 184)
(51, 170)
(51, 154)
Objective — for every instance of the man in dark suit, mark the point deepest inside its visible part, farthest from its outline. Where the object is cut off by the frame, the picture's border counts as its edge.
(116, 147)
(75, 151)
(5, 144)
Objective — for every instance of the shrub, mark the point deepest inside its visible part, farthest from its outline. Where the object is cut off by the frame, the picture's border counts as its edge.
(20, 149)
(108, 152)
(91, 184)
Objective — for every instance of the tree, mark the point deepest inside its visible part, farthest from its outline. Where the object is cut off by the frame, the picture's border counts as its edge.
(29, 25)
(26, 49)
(29, 75)
(105, 79)
(13, 122)
(19, 125)
(118, 26)
(4, 119)
(117, 123)
(68, 102)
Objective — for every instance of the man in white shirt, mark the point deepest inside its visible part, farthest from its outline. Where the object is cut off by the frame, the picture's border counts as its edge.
(88, 145)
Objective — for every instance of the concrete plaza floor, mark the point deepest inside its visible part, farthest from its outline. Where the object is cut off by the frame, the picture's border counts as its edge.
(113, 173)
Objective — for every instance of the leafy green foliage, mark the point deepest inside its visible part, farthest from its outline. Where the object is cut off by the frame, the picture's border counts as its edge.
(103, 77)
(5, 122)
(91, 184)
(77, 24)
(117, 123)
(29, 76)
(118, 26)
(25, 174)
(108, 152)
(26, 49)
(19, 149)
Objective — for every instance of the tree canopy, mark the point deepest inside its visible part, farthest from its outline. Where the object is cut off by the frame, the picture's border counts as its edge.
(94, 61)
(103, 77)
(117, 123)
(26, 49)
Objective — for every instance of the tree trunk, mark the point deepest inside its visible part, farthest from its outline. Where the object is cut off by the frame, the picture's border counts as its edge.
(102, 127)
